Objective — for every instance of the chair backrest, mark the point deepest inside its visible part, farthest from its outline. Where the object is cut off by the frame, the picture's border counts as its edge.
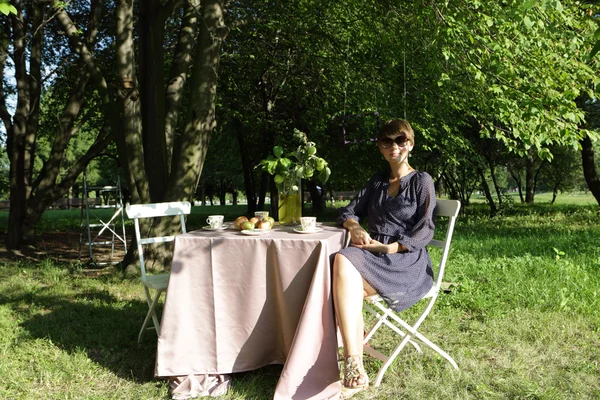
(450, 209)
(152, 210)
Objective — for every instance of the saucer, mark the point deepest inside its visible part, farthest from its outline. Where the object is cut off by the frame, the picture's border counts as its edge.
(208, 228)
(299, 230)
(255, 232)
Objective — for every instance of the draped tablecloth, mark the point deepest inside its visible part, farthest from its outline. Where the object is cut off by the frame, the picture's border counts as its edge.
(237, 303)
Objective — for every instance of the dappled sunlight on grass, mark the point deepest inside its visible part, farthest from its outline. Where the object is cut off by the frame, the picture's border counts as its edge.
(522, 320)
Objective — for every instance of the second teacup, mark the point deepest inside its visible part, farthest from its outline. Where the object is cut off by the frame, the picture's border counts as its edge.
(308, 223)
(215, 221)
(261, 215)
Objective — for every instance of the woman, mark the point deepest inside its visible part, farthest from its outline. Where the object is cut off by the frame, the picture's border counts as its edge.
(389, 259)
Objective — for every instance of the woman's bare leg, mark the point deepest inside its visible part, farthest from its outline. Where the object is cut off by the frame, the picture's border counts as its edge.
(348, 299)
(348, 290)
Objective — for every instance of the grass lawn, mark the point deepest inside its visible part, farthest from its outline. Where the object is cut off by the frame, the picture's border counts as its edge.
(523, 322)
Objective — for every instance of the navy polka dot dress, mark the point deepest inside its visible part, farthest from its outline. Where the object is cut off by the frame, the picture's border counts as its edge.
(401, 279)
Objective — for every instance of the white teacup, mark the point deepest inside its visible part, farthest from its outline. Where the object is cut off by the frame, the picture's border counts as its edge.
(215, 221)
(308, 223)
(261, 215)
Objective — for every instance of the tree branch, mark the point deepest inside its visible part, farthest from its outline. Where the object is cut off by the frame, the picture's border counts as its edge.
(80, 47)
(179, 70)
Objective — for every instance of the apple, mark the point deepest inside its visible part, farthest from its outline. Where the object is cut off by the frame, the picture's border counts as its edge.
(271, 220)
(247, 225)
(254, 220)
(320, 164)
(237, 224)
(264, 224)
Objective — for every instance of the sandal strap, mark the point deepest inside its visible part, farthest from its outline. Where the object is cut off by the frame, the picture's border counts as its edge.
(353, 368)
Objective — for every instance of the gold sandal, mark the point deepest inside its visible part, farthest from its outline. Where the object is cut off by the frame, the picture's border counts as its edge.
(353, 369)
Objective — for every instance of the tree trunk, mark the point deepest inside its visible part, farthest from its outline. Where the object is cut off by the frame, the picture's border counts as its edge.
(36, 195)
(182, 59)
(488, 193)
(517, 177)
(129, 138)
(495, 182)
(190, 148)
(274, 193)
(589, 167)
(152, 91)
(134, 134)
(529, 180)
(21, 135)
(238, 128)
(450, 185)
(16, 141)
(554, 193)
(317, 199)
(265, 178)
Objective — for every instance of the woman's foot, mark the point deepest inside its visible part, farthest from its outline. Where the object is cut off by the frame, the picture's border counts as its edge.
(355, 377)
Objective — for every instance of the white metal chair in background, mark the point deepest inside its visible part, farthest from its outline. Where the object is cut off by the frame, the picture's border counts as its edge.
(157, 282)
(385, 316)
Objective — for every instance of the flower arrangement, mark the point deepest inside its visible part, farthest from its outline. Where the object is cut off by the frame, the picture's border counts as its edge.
(303, 163)
(288, 169)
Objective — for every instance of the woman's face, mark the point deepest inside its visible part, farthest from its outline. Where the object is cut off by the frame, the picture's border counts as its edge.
(395, 148)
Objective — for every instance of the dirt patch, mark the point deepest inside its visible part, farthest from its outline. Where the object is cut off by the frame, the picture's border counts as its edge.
(60, 246)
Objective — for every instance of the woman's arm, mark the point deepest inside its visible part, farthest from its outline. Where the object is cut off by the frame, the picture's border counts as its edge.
(377, 247)
(422, 232)
(350, 215)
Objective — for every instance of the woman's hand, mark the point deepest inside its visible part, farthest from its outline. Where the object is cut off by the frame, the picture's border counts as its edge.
(358, 235)
(377, 247)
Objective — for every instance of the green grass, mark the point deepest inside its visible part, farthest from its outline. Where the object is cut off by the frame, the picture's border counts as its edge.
(573, 198)
(523, 322)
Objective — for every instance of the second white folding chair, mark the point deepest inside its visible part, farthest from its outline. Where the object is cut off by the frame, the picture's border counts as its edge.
(385, 316)
(159, 282)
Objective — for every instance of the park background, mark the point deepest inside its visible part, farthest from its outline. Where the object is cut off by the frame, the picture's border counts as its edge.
(181, 100)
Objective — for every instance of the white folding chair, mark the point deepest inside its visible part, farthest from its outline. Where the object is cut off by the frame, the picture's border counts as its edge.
(385, 316)
(157, 282)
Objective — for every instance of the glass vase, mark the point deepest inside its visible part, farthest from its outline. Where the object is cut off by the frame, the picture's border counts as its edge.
(290, 204)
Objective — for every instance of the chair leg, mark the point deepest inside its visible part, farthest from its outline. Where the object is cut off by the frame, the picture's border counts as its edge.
(390, 360)
(437, 349)
(381, 320)
(151, 313)
(411, 331)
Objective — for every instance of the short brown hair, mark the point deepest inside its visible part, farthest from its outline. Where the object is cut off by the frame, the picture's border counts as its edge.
(397, 127)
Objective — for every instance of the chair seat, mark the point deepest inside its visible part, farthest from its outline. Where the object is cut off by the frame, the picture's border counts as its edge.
(158, 282)
(374, 298)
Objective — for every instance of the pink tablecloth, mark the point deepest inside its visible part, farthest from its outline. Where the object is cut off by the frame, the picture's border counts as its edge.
(237, 303)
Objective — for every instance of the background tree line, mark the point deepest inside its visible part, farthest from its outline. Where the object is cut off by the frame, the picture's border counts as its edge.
(494, 89)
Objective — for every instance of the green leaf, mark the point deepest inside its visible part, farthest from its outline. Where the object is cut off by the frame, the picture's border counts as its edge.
(529, 4)
(277, 151)
(294, 154)
(595, 50)
(285, 162)
(6, 8)
(528, 22)
(558, 6)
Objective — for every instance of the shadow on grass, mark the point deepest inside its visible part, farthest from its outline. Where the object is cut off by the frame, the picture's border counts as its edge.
(106, 328)
(95, 322)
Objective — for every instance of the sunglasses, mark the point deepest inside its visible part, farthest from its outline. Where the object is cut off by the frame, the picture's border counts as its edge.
(386, 143)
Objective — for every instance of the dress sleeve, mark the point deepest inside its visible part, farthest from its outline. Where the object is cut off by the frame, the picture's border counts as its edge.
(422, 232)
(357, 208)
